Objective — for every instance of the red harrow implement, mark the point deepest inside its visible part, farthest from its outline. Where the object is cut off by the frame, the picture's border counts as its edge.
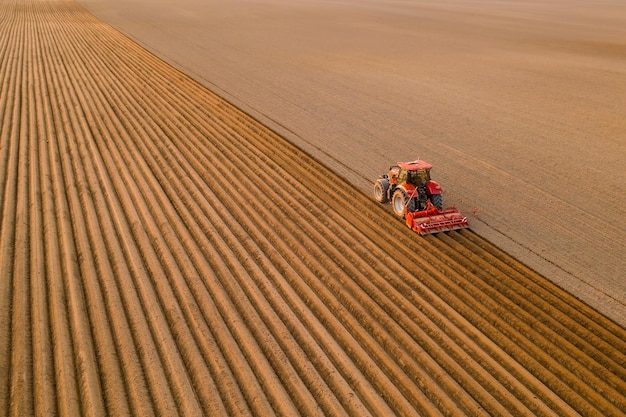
(432, 220)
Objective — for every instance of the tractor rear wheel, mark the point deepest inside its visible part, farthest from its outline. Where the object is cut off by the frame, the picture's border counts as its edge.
(437, 200)
(400, 203)
(380, 190)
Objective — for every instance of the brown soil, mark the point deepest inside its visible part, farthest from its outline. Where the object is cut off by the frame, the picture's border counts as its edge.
(163, 253)
(518, 104)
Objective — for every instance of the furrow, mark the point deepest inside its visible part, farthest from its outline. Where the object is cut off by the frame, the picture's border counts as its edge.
(43, 363)
(20, 374)
(66, 380)
(10, 102)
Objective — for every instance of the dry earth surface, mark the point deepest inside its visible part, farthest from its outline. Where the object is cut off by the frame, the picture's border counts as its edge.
(163, 253)
(518, 104)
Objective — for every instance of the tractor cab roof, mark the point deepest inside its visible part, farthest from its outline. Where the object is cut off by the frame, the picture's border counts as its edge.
(415, 165)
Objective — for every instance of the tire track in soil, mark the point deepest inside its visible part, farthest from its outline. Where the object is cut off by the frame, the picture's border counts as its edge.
(164, 253)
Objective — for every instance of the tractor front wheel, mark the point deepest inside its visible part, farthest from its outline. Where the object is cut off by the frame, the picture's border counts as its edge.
(380, 190)
(400, 203)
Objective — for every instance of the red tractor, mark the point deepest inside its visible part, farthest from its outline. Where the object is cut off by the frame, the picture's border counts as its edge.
(417, 198)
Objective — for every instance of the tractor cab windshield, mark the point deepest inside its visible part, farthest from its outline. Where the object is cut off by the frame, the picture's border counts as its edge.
(418, 177)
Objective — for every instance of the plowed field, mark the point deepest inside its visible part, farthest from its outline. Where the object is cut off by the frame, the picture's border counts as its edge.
(517, 104)
(163, 253)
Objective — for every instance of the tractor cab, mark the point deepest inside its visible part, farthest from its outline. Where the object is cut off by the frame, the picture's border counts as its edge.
(416, 173)
(419, 177)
